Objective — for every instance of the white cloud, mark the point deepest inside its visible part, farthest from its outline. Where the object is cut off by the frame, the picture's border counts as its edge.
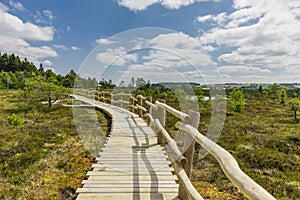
(3, 8)
(139, 5)
(179, 46)
(47, 63)
(241, 69)
(16, 5)
(68, 28)
(205, 18)
(219, 19)
(15, 35)
(48, 14)
(62, 47)
(104, 41)
(168, 57)
(258, 34)
(14, 27)
(118, 57)
(74, 48)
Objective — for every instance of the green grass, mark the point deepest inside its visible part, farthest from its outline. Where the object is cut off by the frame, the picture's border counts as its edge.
(44, 158)
(265, 141)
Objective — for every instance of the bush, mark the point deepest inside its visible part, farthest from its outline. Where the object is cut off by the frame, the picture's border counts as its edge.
(15, 121)
(237, 100)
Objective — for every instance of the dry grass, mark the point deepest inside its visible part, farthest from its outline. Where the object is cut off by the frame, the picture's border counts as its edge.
(44, 158)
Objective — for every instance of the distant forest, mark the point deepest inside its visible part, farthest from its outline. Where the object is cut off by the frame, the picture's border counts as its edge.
(14, 72)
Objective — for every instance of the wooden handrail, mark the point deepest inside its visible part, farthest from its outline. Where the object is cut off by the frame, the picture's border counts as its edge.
(229, 165)
(176, 155)
(151, 104)
(141, 108)
(186, 183)
(134, 99)
(181, 115)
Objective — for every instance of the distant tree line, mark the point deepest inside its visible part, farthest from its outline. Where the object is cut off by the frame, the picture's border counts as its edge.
(37, 84)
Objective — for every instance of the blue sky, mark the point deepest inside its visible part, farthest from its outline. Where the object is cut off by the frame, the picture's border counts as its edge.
(247, 41)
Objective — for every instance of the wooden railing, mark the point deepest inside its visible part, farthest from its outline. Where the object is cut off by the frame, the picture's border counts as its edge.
(182, 162)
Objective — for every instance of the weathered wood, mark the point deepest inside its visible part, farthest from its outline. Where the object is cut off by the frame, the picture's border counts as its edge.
(189, 148)
(119, 196)
(149, 103)
(181, 115)
(162, 120)
(229, 166)
(143, 109)
(139, 185)
(175, 153)
(130, 154)
(130, 177)
(140, 105)
(186, 183)
(126, 190)
(128, 182)
(131, 163)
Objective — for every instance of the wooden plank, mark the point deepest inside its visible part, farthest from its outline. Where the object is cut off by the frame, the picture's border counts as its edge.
(131, 161)
(131, 165)
(134, 185)
(128, 182)
(127, 173)
(127, 155)
(132, 170)
(128, 196)
(131, 178)
(126, 190)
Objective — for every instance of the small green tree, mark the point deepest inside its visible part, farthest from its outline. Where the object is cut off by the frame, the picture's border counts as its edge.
(282, 96)
(38, 89)
(273, 91)
(237, 100)
(294, 104)
(199, 93)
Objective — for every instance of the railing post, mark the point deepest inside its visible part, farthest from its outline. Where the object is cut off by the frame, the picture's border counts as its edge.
(121, 100)
(162, 120)
(140, 103)
(149, 98)
(189, 148)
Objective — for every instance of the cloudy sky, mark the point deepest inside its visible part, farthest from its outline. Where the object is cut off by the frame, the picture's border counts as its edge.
(240, 40)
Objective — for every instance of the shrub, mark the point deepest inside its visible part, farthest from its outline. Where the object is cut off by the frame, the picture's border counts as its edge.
(237, 100)
(15, 121)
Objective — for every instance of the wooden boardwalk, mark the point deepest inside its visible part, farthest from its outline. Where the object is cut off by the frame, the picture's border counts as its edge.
(131, 164)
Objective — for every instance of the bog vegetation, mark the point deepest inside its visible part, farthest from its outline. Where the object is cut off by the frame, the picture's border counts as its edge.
(41, 156)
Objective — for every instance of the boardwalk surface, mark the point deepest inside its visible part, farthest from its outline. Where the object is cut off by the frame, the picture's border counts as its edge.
(131, 165)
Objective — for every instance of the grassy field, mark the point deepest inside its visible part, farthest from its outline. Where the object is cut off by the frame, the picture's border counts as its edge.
(44, 158)
(265, 141)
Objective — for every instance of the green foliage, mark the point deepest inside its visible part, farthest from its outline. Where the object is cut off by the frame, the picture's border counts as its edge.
(273, 91)
(282, 96)
(15, 121)
(12, 63)
(237, 100)
(199, 93)
(105, 85)
(39, 89)
(180, 94)
(294, 104)
(43, 159)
